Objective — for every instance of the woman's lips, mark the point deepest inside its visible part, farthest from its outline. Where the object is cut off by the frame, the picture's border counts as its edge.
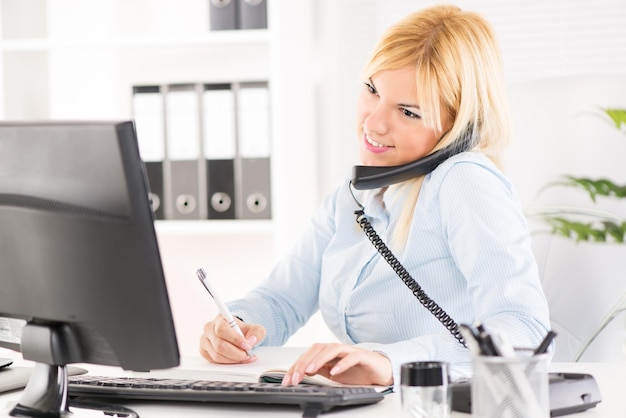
(375, 147)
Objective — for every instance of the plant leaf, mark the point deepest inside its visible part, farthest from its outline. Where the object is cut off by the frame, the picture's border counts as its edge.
(598, 231)
(616, 231)
(618, 116)
(590, 232)
(599, 187)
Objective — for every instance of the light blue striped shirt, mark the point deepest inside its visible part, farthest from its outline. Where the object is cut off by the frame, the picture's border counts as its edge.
(468, 247)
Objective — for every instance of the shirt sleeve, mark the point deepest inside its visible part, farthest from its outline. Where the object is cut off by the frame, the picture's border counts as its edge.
(289, 296)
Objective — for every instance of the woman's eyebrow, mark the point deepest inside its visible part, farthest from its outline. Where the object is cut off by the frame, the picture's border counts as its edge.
(414, 106)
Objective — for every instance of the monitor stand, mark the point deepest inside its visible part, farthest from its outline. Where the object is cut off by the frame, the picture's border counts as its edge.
(49, 346)
(45, 396)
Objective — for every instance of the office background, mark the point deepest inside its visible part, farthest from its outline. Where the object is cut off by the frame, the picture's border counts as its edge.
(70, 59)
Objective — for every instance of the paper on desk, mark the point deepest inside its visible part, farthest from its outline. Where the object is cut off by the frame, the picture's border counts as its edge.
(268, 358)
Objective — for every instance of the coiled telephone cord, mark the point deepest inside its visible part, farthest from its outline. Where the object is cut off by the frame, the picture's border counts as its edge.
(441, 315)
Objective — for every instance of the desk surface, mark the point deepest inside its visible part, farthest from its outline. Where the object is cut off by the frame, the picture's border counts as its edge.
(608, 375)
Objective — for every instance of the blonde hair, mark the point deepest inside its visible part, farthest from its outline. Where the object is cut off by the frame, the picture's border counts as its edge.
(459, 74)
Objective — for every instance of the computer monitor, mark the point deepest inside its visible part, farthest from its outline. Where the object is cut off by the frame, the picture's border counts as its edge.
(79, 259)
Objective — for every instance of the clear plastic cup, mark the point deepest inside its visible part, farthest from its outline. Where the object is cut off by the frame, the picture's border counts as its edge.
(424, 389)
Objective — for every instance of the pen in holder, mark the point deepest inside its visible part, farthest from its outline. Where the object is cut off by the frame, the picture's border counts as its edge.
(511, 386)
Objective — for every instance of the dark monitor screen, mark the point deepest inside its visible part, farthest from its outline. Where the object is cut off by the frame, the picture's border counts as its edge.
(79, 260)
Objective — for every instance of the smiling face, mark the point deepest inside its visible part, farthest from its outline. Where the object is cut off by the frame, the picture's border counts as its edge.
(389, 124)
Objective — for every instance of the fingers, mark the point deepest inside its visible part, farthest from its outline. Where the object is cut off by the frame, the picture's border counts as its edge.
(342, 363)
(254, 333)
(319, 359)
(220, 343)
(363, 367)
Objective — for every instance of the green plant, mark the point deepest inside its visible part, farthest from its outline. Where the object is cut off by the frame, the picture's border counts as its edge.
(583, 224)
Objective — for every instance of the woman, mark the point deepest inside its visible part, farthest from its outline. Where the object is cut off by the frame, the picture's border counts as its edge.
(434, 80)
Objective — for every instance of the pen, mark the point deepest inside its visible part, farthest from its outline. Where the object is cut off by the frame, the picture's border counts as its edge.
(222, 308)
(543, 347)
(471, 339)
(486, 343)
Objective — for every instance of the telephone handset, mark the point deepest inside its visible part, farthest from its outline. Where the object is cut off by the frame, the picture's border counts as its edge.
(366, 177)
(373, 177)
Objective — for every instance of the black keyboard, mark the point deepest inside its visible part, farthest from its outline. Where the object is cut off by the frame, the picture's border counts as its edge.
(313, 399)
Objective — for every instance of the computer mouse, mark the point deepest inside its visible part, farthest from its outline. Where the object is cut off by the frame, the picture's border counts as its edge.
(5, 362)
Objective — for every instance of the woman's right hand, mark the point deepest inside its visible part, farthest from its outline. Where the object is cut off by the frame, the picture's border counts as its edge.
(220, 343)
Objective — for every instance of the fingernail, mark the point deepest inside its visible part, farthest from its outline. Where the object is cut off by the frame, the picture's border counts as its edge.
(334, 370)
(296, 378)
(312, 367)
(285, 379)
(252, 340)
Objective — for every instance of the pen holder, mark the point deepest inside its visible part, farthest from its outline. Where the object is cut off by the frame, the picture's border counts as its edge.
(515, 387)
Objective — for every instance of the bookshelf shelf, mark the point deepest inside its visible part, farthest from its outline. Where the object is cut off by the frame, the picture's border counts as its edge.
(251, 37)
(214, 227)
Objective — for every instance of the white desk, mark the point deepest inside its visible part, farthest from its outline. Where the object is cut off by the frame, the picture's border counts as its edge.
(608, 375)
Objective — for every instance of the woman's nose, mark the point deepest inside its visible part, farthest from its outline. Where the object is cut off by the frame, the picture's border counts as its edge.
(376, 120)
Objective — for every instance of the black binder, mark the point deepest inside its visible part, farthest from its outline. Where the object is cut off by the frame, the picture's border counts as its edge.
(148, 113)
(220, 149)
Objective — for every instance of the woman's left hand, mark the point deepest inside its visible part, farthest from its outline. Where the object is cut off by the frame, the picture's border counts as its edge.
(342, 363)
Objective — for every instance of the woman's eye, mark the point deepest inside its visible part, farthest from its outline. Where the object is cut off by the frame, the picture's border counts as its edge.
(410, 114)
(370, 88)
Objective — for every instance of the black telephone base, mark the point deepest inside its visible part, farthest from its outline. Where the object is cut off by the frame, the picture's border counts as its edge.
(569, 393)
